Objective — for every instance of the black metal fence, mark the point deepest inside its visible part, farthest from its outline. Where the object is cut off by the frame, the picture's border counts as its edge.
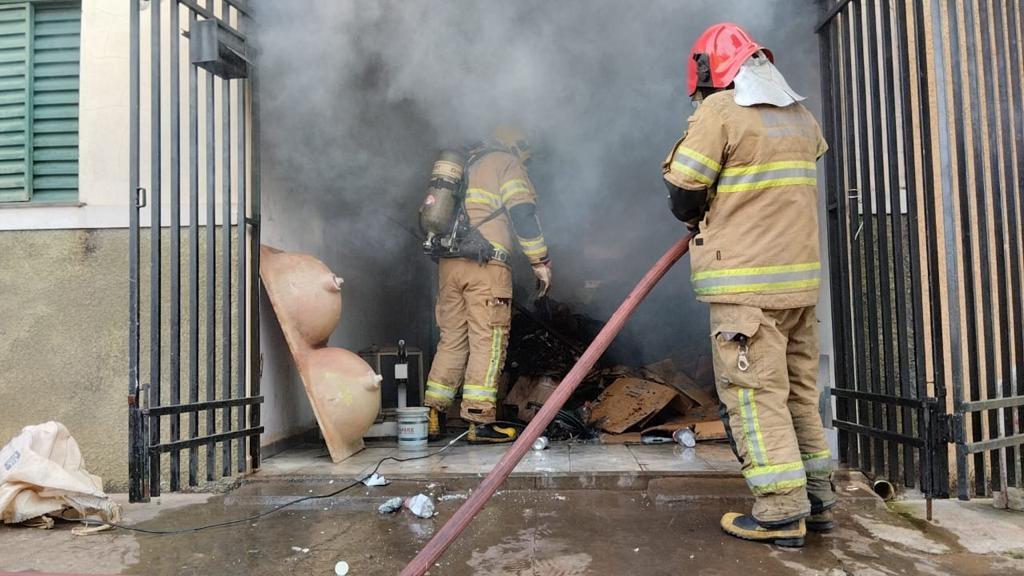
(924, 112)
(202, 282)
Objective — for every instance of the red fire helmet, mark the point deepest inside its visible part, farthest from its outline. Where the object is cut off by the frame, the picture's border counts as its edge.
(718, 54)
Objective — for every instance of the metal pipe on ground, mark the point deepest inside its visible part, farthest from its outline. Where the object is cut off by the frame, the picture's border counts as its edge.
(465, 514)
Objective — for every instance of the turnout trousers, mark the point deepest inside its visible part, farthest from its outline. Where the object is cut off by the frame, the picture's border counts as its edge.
(474, 313)
(766, 369)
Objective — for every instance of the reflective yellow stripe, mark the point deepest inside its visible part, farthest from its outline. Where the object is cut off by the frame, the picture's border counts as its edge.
(499, 246)
(516, 183)
(434, 383)
(751, 428)
(539, 240)
(770, 175)
(481, 196)
(736, 280)
(513, 187)
(440, 391)
(740, 288)
(757, 425)
(759, 168)
(492, 366)
(756, 471)
(818, 464)
(775, 478)
(536, 251)
(439, 395)
(763, 184)
(693, 154)
(826, 454)
(758, 270)
(699, 177)
(479, 393)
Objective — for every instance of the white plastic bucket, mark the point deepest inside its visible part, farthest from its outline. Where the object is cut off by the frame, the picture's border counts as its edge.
(412, 428)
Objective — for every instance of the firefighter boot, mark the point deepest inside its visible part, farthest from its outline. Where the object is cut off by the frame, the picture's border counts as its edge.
(821, 522)
(790, 535)
(435, 425)
(493, 432)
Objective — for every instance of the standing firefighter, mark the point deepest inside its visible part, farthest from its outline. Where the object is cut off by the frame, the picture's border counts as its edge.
(475, 284)
(744, 178)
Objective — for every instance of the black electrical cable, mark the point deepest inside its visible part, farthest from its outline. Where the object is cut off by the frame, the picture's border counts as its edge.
(268, 512)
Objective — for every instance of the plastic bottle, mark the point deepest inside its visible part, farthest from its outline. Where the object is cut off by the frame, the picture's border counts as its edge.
(685, 437)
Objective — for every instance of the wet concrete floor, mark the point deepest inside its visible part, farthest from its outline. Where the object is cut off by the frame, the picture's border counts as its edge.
(665, 527)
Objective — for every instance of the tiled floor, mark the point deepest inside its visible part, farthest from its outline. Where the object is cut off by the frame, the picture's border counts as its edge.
(559, 458)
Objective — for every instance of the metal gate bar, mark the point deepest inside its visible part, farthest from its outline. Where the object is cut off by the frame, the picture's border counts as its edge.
(962, 92)
(900, 383)
(227, 349)
(988, 449)
(888, 423)
(1013, 206)
(934, 470)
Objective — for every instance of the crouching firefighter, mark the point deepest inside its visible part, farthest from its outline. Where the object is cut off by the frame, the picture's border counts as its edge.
(744, 178)
(478, 204)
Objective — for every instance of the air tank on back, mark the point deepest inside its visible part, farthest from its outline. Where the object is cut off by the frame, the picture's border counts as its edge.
(437, 212)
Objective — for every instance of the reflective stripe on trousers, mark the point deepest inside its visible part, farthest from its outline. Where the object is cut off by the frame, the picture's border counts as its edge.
(494, 362)
(751, 427)
(440, 391)
(775, 478)
(818, 464)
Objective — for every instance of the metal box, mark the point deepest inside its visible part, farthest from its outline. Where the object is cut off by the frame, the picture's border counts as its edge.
(214, 50)
(394, 393)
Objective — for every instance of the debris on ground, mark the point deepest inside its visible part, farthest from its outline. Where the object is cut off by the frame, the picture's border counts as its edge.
(617, 404)
(341, 568)
(529, 393)
(630, 402)
(421, 505)
(714, 430)
(375, 480)
(300, 549)
(392, 505)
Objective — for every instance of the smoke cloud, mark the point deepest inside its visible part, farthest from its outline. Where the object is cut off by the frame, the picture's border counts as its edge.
(357, 98)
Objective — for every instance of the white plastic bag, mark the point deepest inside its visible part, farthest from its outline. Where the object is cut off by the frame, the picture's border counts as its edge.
(42, 472)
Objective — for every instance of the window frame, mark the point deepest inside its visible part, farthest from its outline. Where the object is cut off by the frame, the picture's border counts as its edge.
(30, 117)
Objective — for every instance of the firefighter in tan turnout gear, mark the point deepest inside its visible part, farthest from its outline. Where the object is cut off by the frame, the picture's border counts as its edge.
(475, 288)
(744, 178)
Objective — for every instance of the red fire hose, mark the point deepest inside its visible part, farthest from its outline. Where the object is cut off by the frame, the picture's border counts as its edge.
(465, 514)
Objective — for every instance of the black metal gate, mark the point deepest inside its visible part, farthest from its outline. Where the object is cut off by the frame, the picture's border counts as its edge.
(202, 288)
(926, 120)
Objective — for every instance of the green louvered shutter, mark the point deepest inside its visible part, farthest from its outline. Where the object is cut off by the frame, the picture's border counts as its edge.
(15, 128)
(56, 39)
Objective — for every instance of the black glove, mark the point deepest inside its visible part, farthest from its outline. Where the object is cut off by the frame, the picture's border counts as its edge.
(687, 206)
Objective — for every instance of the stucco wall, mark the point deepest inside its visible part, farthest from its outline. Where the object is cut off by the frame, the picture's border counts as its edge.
(64, 340)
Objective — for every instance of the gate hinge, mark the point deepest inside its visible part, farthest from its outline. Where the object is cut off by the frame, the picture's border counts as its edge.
(948, 428)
